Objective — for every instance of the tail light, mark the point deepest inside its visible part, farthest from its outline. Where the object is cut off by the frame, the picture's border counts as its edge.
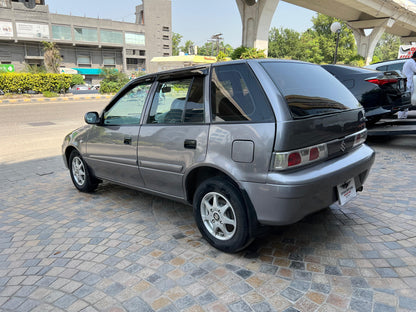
(308, 155)
(381, 81)
(360, 137)
(300, 157)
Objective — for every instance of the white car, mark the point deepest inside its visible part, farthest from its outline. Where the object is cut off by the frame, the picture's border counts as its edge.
(394, 65)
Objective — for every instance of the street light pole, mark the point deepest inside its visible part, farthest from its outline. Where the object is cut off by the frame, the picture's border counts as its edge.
(336, 47)
(336, 28)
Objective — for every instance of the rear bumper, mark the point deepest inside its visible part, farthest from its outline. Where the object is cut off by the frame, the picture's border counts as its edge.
(288, 197)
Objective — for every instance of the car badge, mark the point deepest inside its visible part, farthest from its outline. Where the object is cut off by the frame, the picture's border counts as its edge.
(343, 146)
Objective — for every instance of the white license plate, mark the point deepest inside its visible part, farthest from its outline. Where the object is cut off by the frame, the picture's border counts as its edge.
(346, 191)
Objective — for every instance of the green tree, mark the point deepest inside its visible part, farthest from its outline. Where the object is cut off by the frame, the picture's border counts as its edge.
(221, 56)
(188, 47)
(176, 41)
(316, 45)
(236, 55)
(284, 43)
(113, 80)
(253, 53)
(327, 40)
(387, 48)
(77, 79)
(52, 56)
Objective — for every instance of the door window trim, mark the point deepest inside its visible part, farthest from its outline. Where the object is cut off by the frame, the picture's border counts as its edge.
(123, 92)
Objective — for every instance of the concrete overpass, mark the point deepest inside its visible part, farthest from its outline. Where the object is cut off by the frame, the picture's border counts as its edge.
(397, 17)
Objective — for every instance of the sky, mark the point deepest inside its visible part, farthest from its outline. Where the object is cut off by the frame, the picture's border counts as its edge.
(195, 20)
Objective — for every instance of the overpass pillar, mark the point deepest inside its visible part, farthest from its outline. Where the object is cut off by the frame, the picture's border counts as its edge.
(256, 17)
(367, 44)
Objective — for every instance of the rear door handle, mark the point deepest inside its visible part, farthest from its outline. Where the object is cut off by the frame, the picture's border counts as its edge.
(191, 144)
(127, 141)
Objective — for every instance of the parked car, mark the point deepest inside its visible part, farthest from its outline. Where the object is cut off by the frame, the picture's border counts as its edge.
(380, 93)
(80, 87)
(83, 89)
(394, 65)
(247, 143)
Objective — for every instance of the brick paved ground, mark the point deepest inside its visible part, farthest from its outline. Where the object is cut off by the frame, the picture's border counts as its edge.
(122, 250)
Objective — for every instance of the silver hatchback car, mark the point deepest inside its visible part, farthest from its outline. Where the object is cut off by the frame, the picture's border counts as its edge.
(247, 143)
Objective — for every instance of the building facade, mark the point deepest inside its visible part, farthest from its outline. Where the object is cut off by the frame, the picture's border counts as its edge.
(86, 44)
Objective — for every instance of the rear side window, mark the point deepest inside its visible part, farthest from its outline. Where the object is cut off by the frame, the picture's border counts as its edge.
(382, 68)
(309, 89)
(396, 66)
(236, 96)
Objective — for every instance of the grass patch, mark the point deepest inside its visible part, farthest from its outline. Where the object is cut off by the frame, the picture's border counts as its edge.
(50, 94)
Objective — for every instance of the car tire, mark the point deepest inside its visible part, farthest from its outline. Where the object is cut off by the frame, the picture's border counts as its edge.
(80, 174)
(221, 215)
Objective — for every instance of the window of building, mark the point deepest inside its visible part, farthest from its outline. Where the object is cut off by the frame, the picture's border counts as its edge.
(142, 52)
(132, 38)
(166, 54)
(85, 34)
(165, 46)
(61, 32)
(109, 61)
(110, 36)
(33, 50)
(165, 37)
(84, 60)
(165, 28)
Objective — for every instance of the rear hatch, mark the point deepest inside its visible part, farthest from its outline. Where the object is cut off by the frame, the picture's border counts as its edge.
(322, 109)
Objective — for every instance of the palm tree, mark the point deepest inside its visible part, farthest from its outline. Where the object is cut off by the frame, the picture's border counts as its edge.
(52, 56)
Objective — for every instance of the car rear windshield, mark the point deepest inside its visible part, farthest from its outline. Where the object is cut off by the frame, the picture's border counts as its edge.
(309, 89)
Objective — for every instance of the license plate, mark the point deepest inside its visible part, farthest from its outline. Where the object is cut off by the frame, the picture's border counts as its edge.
(346, 191)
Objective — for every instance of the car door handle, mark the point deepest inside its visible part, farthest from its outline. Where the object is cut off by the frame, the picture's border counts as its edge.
(191, 144)
(127, 141)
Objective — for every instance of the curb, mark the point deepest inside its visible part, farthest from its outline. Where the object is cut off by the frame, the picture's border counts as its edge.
(55, 99)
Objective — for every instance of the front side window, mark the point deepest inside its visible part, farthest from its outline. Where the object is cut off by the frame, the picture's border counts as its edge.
(236, 96)
(128, 109)
(178, 101)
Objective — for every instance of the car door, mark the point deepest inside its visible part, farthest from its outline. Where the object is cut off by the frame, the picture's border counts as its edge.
(174, 136)
(112, 145)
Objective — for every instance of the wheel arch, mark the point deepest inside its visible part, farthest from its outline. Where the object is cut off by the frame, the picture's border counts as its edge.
(195, 177)
(69, 149)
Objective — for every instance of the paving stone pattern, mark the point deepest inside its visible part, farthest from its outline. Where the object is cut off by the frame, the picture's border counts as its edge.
(122, 250)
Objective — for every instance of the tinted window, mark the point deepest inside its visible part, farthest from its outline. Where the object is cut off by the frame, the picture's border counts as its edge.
(236, 95)
(309, 89)
(178, 101)
(128, 109)
(382, 68)
(396, 66)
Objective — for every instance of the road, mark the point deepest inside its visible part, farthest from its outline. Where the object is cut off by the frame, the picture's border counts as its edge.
(33, 130)
(122, 250)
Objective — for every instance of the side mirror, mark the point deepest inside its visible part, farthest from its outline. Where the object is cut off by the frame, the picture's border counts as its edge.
(92, 118)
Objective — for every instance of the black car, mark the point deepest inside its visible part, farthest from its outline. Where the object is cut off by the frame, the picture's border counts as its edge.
(380, 93)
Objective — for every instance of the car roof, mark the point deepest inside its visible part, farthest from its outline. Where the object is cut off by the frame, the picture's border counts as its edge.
(386, 63)
(200, 69)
